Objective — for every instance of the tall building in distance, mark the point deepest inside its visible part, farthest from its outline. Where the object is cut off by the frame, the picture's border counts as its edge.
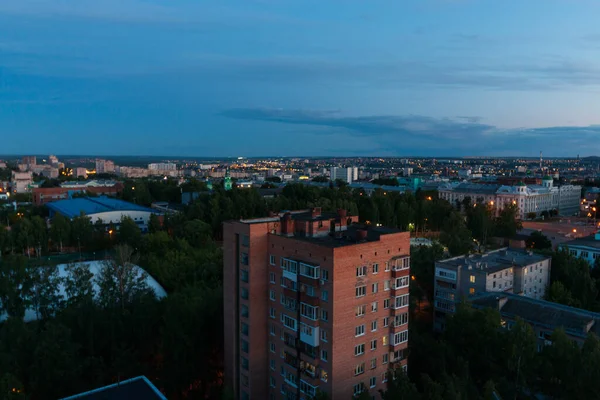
(501, 271)
(313, 302)
(162, 167)
(105, 167)
(30, 161)
(347, 175)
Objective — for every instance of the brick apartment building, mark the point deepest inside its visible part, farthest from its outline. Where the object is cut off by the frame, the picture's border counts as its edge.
(313, 302)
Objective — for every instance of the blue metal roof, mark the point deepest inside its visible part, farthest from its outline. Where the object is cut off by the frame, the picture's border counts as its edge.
(93, 205)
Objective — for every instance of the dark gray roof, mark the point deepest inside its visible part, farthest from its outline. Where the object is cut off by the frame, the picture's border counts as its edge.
(588, 241)
(139, 388)
(494, 261)
(349, 236)
(575, 321)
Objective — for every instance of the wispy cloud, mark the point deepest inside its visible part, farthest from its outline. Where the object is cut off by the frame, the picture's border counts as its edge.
(422, 134)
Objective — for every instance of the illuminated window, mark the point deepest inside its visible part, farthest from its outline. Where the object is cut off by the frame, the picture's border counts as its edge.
(472, 278)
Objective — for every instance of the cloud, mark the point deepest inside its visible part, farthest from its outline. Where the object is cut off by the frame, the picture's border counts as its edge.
(424, 135)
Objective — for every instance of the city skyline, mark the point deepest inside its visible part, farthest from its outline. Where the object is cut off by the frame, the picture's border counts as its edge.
(263, 78)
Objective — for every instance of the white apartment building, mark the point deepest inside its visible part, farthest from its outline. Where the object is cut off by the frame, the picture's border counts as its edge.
(105, 166)
(532, 198)
(348, 175)
(162, 167)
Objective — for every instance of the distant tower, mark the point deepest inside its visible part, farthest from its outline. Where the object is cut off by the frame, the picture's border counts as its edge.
(227, 182)
(540, 159)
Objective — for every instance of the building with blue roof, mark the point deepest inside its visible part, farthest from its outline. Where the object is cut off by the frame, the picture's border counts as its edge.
(105, 209)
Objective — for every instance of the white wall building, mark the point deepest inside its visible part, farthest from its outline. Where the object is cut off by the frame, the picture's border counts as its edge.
(162, 167)
(348, 175)
(533, 198)
(21, 181)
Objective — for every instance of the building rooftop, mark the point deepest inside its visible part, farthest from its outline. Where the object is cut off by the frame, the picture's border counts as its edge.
(575, 321)
(136, 388)
(494, 261)
(351, 236)
(93, 205)
(587, 241)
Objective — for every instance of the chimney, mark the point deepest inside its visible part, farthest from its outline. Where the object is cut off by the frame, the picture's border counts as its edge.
(315, 212)
(361, 235)
(501, 302)
(287, 224)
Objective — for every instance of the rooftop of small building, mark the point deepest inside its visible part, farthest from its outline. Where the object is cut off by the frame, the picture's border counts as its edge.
(136, 388)
(586, 241)
(575, 321)
(93, 205)
(494, 261)
(350, 236)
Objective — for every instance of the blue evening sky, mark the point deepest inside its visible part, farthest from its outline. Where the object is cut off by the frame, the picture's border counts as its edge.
(300, 77)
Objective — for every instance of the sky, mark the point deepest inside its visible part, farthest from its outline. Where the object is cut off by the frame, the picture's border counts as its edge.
(300, 77)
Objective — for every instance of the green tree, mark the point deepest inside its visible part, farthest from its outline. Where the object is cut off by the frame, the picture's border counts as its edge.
(15, 286)
(79, 288)
(538, 241)
(154, 224)
(129, 233)
(11, 388)
(45, 297)
(60, 230)
(456, 236)
(81, 231)
(508, 223)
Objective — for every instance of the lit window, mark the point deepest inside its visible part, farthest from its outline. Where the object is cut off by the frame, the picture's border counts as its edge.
(472, 278)
(472, 291)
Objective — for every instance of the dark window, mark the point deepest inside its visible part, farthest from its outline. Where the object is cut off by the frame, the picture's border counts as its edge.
(244, 276)
(244, 258)
(245, 240)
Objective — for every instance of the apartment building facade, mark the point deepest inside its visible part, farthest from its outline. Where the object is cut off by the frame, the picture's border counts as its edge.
(314, 302)
(504, 270)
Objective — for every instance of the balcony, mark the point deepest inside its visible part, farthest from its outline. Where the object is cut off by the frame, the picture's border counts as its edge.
(290, 292)
(310, 300)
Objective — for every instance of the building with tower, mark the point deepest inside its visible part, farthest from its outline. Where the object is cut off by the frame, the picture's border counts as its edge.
(313, 302)
(227, 183)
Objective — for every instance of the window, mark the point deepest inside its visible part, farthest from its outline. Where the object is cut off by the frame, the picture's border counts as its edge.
(359, 330)
(386, 304)
(324, 355)
(245, 346)
(472, 278)
(325, 274)
(400, 337)
(401, 319)
(373, 326)
(359, 349)
(375, 287)
(361, 271)
(245, 311)
(584, 254)
(244, 293)
(384, 358)
(272, 277)
(472, 290)
(402, 263)
(374, 344)
(245, 240)
(272, 364)
(272, 330)
(272, 295)
(361, 310)
(374, 306)
(375, 268)
(244, 275)
(324, 375)
(245, 363)
(386, 322)
(373, 363)
(310, 271)
(272, 381)
(359, 388)
(309, 290)
(401, 301)
(245, 328)
(272, 259)
(289, 265)
(387, 266)
(288, 322)
(494, 284)
(272, 347)
(324, 315)
(306, 329)
(386, 285)
(324, 295)
(244, 258)
(384, 340)
(272, 312)
(402, 282)
(361, 291)
(359, 369)
(324, 335)
(373, 381)
(309, 312)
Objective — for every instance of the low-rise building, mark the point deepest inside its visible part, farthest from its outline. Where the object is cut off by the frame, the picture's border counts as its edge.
(543, 316)
(42, 196)
(21, 181)
(505, 270)
(587, 247)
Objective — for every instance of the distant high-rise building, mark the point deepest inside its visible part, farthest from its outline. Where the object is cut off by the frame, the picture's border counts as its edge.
(30, 161)
(313, 302)
(53, 160)
(347, 175)
(162, 167)
(105, 167)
